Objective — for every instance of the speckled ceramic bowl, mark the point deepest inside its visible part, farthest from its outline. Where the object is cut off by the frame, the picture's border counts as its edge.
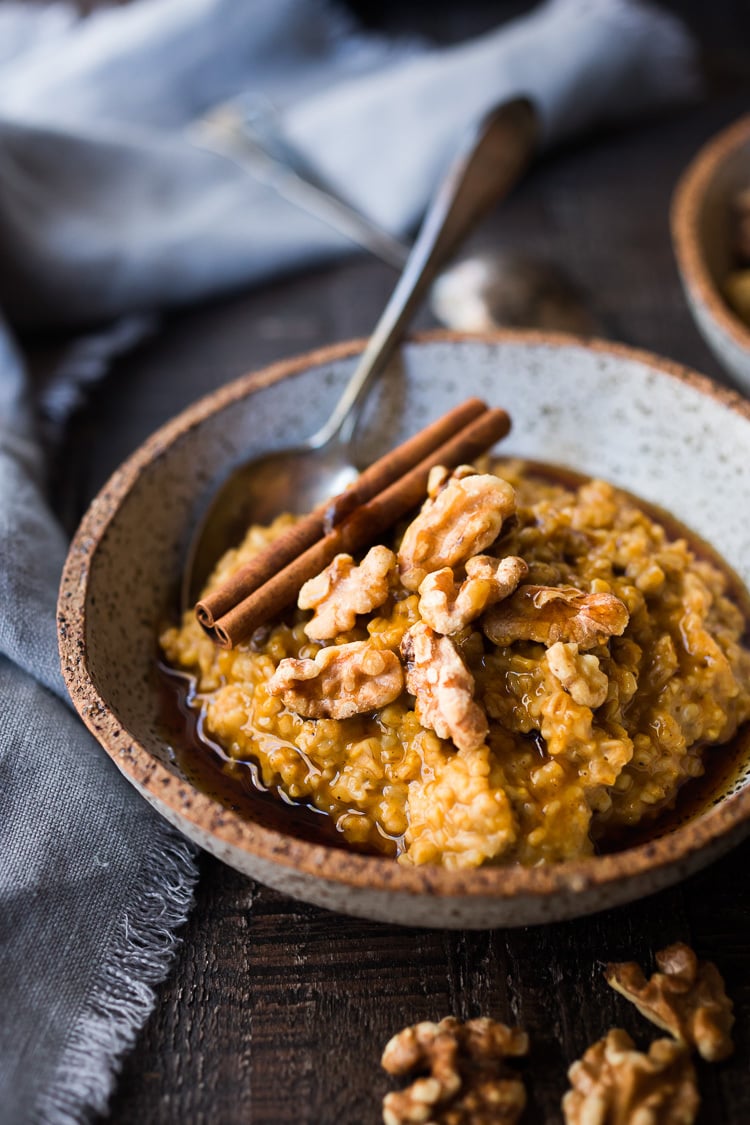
(701, 218)
(666, 434)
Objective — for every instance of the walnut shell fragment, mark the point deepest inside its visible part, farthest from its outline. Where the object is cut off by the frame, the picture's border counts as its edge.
(614, 1084)
(467, 1082)
(686, 997)
(342, 680)
(448, 607)
(443, 687)
(548, 614)
(461, 520)
(343, 591)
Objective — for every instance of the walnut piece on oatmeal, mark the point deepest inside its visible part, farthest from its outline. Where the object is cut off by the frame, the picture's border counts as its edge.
(579, 674)
(342, 680)
(686, 997)
(343, 591)
(443, 687)
(448, 607)
(615, 1084)
(548, 614)
(467, 1081)
(461, 520)
(440, 475)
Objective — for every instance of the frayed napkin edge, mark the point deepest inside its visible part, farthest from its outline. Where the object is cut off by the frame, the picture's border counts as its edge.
(138, 957)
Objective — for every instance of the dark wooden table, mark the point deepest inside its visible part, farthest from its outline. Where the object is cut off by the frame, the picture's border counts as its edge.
(276, 1012)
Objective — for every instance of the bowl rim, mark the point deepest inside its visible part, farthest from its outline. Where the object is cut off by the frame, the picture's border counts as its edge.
(685, 209)
(332, 864)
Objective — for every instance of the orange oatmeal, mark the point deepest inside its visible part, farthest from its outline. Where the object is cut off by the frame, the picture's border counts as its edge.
(527, 668)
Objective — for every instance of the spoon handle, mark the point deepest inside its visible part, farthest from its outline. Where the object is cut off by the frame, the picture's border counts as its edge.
(484, 171)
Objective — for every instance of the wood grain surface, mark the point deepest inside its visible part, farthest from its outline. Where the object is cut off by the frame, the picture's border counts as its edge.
(277, 1012)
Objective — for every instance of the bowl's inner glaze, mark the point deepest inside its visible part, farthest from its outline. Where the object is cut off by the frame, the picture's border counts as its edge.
(608, 414)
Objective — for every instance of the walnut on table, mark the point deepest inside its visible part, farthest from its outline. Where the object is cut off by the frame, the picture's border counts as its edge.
(615, 1084)
(686, 997)
(448, 607)
(548, 614)
(459, 521)
(443, 687)
(343, 591)
(342, 680)
(468, 1081)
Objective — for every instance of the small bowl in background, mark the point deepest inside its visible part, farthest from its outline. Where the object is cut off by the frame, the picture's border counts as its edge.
(701, 221)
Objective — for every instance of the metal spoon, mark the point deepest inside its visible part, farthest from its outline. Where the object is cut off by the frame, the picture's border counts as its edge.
(296, 480)
(496, 289)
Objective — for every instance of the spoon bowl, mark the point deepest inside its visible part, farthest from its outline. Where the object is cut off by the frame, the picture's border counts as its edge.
(292, 480)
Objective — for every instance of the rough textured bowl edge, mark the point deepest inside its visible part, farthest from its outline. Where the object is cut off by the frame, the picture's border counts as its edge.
(683, 850)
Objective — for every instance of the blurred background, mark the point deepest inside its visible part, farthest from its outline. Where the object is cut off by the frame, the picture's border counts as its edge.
(595, 208)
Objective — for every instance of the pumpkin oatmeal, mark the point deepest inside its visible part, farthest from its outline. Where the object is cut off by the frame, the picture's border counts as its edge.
(527, 668)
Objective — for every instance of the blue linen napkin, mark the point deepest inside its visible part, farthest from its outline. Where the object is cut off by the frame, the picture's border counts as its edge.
(108, 213)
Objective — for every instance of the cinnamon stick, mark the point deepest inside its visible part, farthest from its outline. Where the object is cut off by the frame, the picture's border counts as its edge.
(313, 527)
(358, 529)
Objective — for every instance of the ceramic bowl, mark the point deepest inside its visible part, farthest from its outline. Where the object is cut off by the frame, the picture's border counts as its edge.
(701, 235)
(664, 433)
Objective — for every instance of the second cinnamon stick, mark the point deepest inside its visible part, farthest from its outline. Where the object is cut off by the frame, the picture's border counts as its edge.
(313, 527)
(358, 529)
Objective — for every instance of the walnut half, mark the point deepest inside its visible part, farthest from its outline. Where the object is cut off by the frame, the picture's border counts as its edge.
(465, 1078)
(342, 591)
(342, 680)
(686, 997)
(443, 687)
(615, 1084)
(461, 520)
(448, 608)
(548, 614)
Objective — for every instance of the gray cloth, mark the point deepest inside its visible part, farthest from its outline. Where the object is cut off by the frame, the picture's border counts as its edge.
(107, 210)
(140, 218)
(92, 884)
